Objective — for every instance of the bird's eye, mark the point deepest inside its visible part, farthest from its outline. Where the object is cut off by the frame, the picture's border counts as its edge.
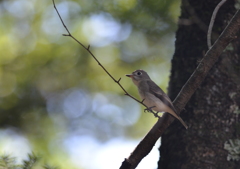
(139, 73)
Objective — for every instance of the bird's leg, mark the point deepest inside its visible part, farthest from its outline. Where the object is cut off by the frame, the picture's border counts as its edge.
(149, 109)
(156, 114)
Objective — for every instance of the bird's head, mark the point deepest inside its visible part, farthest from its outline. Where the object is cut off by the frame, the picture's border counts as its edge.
(138, 75)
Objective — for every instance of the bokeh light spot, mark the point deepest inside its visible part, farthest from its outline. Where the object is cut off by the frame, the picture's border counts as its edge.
(76, 104)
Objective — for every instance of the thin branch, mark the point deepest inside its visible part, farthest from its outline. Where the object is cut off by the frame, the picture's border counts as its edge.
(209, 33)
(89, 51)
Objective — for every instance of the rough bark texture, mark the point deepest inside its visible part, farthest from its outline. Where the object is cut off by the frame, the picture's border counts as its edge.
(212, 112)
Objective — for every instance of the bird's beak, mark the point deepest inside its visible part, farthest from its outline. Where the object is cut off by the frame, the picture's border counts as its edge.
(130, 75)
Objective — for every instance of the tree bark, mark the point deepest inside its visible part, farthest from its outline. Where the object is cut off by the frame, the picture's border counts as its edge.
(212, 111)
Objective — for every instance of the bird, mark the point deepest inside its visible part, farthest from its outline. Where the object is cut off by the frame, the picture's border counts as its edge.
(153, 96)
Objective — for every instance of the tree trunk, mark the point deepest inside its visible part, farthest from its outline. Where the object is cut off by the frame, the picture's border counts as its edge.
(212, 112)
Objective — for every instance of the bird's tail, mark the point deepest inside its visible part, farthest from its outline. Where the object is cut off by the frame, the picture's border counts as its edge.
(183, 123)
(179, 118)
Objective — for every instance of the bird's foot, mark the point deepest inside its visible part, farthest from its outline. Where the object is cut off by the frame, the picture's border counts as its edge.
(149, 109)
(156, 115)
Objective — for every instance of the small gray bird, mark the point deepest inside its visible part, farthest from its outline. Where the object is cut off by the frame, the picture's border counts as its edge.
(153, 96)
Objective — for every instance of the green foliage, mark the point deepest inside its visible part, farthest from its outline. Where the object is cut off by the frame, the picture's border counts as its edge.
(30, 162)
(233, 148)
(8, 162)
(47, 166)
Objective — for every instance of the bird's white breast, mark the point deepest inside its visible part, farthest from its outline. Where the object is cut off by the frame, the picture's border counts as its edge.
(150, 100)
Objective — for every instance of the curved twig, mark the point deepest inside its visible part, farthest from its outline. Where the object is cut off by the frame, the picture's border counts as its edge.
(89, 51)
(209, 33)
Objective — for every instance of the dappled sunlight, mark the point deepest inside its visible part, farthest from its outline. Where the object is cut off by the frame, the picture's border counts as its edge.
(14, 143)
(76, 104)
(123, 112)
(23, 9)
(21, 30)
(84, 113)
(101, 30)
(134, 51)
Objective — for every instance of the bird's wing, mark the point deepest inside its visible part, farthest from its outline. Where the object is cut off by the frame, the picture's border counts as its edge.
(159, 93)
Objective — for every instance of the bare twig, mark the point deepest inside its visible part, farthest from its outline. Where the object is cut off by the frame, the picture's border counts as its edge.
(89, 51)
(209, 33)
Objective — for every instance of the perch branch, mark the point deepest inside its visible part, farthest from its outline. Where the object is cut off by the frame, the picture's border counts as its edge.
(89, 51)
(212, 55)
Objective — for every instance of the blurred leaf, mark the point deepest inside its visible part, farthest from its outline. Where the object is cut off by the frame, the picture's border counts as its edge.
(7, 162)
(30, 162)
